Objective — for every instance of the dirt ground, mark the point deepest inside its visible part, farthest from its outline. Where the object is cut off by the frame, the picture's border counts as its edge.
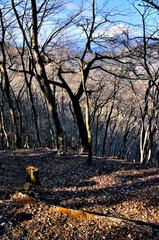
(111, 189)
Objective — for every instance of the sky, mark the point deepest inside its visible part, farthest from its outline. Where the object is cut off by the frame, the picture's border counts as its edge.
(124, 6)
(123, 15)
(121, 11)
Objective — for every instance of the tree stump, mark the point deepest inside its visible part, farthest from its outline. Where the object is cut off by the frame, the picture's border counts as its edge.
(33, 175)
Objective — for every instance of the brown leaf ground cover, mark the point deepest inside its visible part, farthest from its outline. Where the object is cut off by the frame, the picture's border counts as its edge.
(122, 196)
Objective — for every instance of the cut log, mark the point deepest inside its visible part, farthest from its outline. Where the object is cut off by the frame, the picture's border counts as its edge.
(33, 175)
(138, 225)
(149, 228)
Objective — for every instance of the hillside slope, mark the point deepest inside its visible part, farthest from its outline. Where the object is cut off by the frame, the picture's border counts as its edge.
(109, 189)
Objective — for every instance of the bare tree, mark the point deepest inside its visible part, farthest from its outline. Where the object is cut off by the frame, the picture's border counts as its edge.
(143, 68)
(82, 62)
(37, 61)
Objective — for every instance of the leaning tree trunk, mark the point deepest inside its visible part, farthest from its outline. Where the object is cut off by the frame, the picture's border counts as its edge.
(43, 81)
(40, 75)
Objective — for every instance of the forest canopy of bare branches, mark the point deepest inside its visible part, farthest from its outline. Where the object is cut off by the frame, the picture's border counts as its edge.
(81, 75)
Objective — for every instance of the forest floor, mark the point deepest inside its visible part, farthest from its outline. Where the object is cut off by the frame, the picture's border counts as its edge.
(116, 199)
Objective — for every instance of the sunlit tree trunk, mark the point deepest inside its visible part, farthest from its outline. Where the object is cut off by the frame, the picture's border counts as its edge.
(106, 128)
(89, 134)
(4, 134)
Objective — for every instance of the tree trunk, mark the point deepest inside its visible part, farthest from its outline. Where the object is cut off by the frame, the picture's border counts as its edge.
(77, 111)
(106, 128)
(4, 133)
(89, 134)
(10, 105)
(7, 87)
(81, 125)
(43, 81)
(28, 84)
(97, 134)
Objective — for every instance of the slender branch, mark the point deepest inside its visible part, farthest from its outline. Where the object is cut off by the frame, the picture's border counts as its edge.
(54, 34)
(152, 4)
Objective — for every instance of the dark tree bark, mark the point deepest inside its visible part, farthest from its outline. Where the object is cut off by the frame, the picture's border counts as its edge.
(81, 124)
